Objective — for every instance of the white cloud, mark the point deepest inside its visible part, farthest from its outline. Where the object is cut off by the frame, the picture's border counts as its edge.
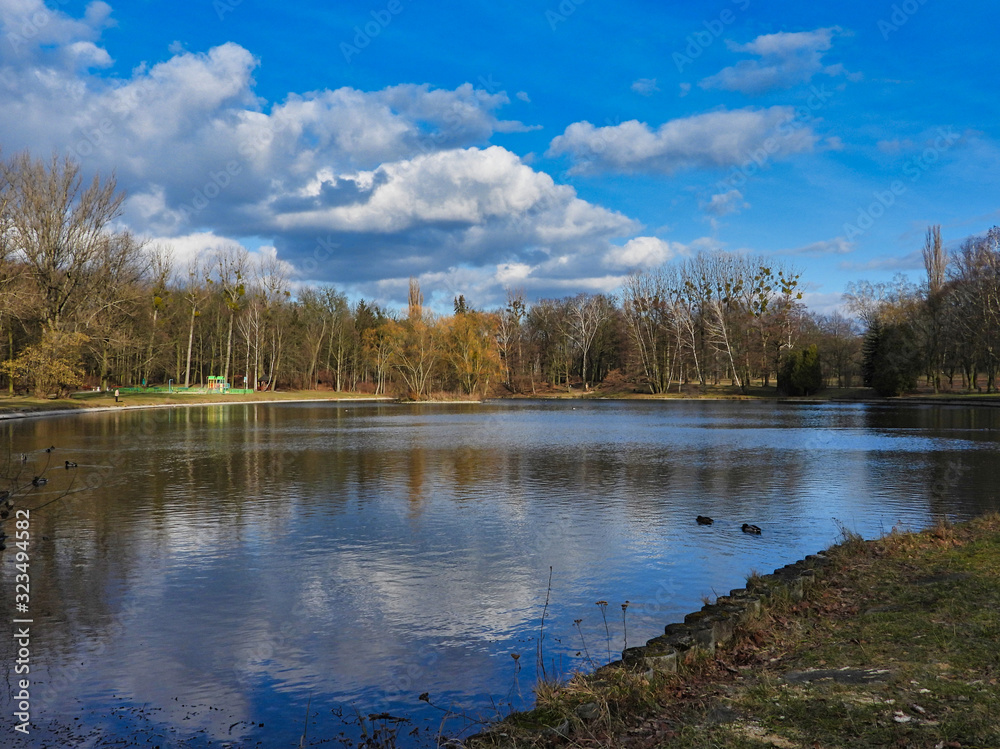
(643, 252)
(835, 246)
(714, 139)
(645, 86)
(785, 60)
(724, 203)
(910, 261)
(350, 186)
(89, 55)
(33, 32)
(823, 303)
(200, 245)
(461, 187)
(511, 274)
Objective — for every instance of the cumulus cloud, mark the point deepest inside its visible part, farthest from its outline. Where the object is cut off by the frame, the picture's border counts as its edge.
(360, 188)
(725, 203)
(188, 248)
(461, 209)
(785, 59)
(643, 252)
(714, 139)
(35, 33)
(469, 187)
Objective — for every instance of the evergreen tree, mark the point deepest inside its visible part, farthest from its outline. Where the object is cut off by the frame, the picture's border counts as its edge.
(801, 373)
(892, 358)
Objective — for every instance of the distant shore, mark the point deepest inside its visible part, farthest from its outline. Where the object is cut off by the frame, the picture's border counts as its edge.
(26, 407)
(19, 407)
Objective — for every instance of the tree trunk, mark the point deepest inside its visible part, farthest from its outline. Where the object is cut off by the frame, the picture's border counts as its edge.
(229, 350)
(187, 368)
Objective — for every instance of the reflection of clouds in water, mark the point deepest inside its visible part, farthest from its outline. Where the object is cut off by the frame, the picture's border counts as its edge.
(177, 682)
(410, 552)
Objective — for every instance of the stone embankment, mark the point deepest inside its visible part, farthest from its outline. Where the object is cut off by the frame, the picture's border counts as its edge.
(712, 627)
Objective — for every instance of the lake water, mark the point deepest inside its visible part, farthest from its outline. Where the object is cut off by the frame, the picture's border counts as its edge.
(218, 574)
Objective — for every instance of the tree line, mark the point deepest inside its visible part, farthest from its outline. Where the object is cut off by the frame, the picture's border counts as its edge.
(945, 330)
(83, 302)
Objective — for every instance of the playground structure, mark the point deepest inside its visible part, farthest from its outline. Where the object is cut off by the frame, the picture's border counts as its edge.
(215, 385)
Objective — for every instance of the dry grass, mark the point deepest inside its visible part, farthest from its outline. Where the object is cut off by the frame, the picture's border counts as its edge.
(896, 646)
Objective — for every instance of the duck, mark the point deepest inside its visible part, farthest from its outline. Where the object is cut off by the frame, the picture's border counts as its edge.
(70, 464)
(747, 528)
(703, 520)
(50, 449)
(39, 481)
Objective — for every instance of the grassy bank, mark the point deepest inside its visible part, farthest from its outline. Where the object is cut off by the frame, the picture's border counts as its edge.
(896, 644)
(28, 405)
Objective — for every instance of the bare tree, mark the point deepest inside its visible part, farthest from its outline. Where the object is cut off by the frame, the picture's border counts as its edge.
(415, 300)
(194, 296)
(935, 259)
(112, 310)
(272, 278)
(976, 299)
(314, 328)
(936, 264)
(161, 269)
(509, 335)
(585, 314)
(61, 228)
(231, 265)
(646, 307)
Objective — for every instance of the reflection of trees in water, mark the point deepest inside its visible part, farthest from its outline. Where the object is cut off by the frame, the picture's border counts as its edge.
(228, 480)
(957, 476)
(935, 421)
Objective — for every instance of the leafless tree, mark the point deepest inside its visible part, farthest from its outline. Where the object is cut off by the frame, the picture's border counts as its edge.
(936, 265)
(585, 313)
(415, 300)
(62, 230)
(194, 297)
(509, 335)
(230, 268)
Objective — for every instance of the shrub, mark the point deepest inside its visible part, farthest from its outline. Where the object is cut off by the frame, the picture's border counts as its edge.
(51, 367)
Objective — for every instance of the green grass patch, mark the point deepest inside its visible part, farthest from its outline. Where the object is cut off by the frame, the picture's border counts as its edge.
(82, 400)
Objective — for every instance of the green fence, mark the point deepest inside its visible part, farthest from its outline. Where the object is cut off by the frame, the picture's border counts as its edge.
(184, 391)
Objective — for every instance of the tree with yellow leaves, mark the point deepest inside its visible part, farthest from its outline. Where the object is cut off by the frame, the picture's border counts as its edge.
(472, 351)
(51, 367)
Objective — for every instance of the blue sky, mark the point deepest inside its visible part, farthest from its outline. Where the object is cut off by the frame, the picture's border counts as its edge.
(548, 146)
